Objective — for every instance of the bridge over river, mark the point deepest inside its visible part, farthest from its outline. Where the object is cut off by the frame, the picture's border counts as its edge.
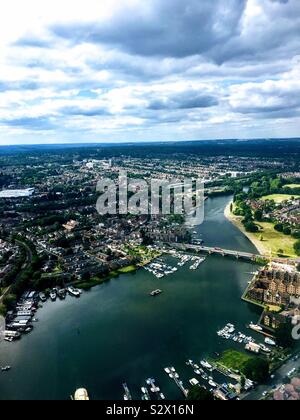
(230, 253)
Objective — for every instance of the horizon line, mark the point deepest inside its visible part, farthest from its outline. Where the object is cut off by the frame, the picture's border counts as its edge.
(116, 143)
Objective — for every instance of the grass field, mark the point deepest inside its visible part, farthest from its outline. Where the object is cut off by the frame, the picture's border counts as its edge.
(292, 186)
(273, 241)
(267, 239)
(278, 198)
(96, 280)
(129, 269)
(234, 360)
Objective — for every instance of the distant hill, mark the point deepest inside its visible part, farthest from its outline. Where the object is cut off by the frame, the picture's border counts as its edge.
(260, 148)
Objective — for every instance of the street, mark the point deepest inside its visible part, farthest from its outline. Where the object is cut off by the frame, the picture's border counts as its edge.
(280, 375)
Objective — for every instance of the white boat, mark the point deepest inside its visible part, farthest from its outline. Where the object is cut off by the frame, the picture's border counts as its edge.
(265, 349)
(212, 383)
(167, 370)
(205, 364)
(53, 296)
(270, 342)
(81, 395)
(127, 396)
(73, 292)
(161, 396)
(42, 297)
(155, 293)
(194, 382)
(255, 327)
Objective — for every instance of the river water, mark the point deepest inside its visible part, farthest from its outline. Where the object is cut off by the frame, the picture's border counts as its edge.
(116, 332)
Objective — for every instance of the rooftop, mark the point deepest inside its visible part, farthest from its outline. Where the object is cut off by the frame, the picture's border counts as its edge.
(16, 193)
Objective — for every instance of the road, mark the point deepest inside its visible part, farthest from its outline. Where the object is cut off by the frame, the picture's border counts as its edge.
(280, 375)
(227, 252)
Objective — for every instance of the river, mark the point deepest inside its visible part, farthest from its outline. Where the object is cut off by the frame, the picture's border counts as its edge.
(116, 332)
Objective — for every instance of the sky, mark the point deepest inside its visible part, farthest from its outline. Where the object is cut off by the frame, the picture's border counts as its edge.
(148, 70)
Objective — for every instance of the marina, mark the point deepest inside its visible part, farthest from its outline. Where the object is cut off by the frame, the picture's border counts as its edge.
(20, 321)
(206, 380)
(174, 375)
(160, 269)
(229, 333)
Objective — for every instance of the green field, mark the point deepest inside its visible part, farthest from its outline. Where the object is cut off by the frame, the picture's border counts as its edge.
(272, 240)
(292, 186)
(126, 270)
(279, 198)
(97, 280)
(234, 360)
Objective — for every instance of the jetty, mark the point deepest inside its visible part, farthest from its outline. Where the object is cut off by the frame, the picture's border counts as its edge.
(174, 375)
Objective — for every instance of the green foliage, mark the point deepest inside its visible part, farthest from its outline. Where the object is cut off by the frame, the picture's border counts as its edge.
(198, 393)
(284, 336)
(279, 227)
(297, 247)
(258, 215)
(251, 227)
(287, 230)
(257, 369)
(234, 360)
(9, 301)
(3, 309)
(296, 234)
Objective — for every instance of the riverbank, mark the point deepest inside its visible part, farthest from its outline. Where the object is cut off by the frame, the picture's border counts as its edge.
(237, 221)
(97, 281)
(267, 241)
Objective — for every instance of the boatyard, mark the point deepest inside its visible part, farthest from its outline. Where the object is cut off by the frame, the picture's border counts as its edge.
(160, 269)
(21, 320)
(229, 333)
(207, 377)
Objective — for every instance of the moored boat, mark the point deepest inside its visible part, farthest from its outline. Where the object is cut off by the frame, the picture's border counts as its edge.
(255, 327)
(73, 292)
(81, 395)
(270, 342)
(206, 365)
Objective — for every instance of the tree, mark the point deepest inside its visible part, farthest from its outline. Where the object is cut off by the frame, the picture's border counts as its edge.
(258, 215)
(2, 309)
(198, 393)
(243, 382)
(257, 370)
(9, 301)
(284, 336)
(251, 227)
(297, 247)
(279, 227)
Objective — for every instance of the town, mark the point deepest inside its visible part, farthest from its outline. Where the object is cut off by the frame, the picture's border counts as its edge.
(55, 244)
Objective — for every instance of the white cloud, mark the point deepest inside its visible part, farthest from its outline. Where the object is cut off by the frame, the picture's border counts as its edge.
(135, 77)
